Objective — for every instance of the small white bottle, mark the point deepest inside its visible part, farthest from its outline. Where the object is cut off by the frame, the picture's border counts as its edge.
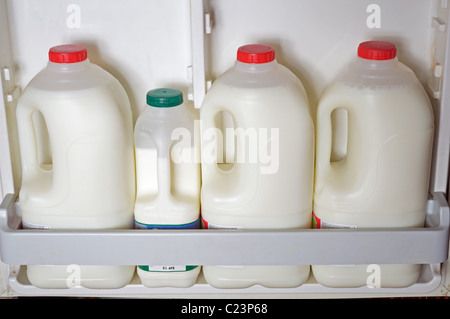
(168, 178)
(76, 141)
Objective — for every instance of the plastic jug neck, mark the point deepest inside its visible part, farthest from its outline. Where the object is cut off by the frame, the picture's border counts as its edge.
(260, 67)
(377, 73)
(165, 113)
(376, 64)
(68, 67)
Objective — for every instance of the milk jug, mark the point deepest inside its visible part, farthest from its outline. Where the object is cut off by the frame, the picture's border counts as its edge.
(373, 161)
(257, 160)
(168, 178)
(76, 142)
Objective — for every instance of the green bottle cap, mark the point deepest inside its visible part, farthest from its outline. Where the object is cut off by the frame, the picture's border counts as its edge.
(164, 97)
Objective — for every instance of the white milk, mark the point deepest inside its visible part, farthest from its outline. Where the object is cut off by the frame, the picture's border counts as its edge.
(267, 180)
(381, 178)
(78, 165)
(168, 179)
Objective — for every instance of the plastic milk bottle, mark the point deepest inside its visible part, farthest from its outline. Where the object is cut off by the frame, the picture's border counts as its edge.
(257, 160)
(76, 141)
(372, 168)
(168, 178)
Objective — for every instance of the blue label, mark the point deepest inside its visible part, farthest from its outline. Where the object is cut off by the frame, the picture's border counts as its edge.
(194, 225)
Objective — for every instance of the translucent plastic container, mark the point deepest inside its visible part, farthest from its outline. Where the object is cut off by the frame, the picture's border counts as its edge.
(373, 160)
(168, 178)
(257, 160)
(76, 142)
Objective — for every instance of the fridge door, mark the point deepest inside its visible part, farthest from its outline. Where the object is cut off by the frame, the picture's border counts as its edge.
(187, 45)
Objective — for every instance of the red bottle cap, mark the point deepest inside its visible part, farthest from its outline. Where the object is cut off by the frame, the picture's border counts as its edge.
(377, 50)
(67, 53)
(256, 53)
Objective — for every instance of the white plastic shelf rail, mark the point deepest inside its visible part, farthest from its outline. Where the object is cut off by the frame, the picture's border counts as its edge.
(226, 247)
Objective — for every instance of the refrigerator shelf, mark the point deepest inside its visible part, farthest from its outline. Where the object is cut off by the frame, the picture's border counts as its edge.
(20, 247)
(428, 282)
(225, 247)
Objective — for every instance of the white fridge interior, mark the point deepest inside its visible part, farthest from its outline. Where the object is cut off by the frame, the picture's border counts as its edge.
(187, 44)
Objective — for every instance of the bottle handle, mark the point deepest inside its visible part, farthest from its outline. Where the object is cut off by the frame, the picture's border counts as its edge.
(324, 139)
(163, 176)
(234, 183)
(29, 147)
(147, 170)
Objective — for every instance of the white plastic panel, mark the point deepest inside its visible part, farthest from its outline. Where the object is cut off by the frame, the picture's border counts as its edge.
(8, 138)
(144, 44)
(317, 39)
